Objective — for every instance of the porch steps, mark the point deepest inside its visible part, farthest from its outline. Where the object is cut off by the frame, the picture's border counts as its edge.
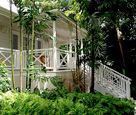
(114, 92)
(111, 88)
(111, 82)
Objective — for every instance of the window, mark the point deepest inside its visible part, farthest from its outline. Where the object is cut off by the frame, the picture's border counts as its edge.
(24, 43)
(39, 44)
(15, 42)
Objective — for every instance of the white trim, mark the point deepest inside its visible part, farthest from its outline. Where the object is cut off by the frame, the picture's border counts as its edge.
(54, 47)
(5, 12)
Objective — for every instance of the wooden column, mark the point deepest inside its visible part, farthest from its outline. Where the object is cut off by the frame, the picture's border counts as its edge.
(54, 47)
(82, 46)
(128, 89)
(81, 37)
(70, 48)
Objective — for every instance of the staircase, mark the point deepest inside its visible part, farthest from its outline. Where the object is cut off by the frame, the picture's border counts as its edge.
(112, 82)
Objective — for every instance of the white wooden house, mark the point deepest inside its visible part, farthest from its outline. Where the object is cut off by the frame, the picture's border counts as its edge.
(57, 61)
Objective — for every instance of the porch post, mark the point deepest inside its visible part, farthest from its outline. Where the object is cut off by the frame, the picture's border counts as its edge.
(70, 47)
(54, 47)
(82, 46)
(70, 39)
(81, 35)
(128, 89)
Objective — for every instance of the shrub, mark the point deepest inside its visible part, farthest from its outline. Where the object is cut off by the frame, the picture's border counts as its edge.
(14, 103)
(4, 79)
(92, 104)
(63, 102)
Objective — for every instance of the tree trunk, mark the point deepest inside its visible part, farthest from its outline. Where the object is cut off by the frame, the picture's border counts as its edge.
(84, 75)
(93, 62)
(20, 57)
(77, 61)
(121, 47)
(32, 43)
(11, 37)
(27, 81)
(32, 33)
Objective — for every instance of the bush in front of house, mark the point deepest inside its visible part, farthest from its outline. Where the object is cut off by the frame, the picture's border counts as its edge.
(92, 104)
(63, 102)
(4, 78)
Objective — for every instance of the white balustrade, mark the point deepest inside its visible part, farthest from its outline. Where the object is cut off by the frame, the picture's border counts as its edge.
(66, 59)
(5, 56)
(43, 58)
(110, 81)
(113, 81)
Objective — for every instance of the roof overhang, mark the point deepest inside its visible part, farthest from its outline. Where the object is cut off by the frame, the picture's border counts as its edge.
(5, 12)
(62, 26)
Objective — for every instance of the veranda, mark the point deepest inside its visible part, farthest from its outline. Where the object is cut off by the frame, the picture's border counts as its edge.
(58, 62)
(46, 53)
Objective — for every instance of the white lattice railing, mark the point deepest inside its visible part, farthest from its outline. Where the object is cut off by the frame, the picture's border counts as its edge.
(66, 59)
(116, 83)
(43, 57)
(5, 56)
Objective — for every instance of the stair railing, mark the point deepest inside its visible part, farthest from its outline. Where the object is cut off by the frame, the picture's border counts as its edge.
(113, 81)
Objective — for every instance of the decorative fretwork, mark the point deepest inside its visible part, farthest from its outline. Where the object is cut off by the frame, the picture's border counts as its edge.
(63, 59)
(66, 59)
(5, 56)
(113, 81)
(43, 58)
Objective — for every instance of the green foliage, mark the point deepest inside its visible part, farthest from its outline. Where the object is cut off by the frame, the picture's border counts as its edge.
(63, 102)
(62, 5)
(53, 94)
(86, 103)
(77, 80)
(13, 103)
(57, 82)
(133, 91)
(4, 78)
(33, 73)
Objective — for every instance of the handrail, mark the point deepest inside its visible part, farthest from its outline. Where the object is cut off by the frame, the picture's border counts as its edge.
(46, 49)
(65, 51)
(112, 81)
(8, 49)
(125, 77)
(120, 84)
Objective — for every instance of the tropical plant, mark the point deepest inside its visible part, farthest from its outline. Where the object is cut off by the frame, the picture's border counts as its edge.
(19, 4)
(58, 81)
(4, 78)
(63, 102)
(78, 81)
(94, 47)
(11, 38)
(117, 12)
(33, 22)
(33, 73)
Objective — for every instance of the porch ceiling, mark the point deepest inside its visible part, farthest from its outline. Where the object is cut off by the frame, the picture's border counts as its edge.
(62, 29)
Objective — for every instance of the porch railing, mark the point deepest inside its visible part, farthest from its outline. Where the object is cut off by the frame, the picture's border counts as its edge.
(41, 57)
(66, 59)
(5, 56)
